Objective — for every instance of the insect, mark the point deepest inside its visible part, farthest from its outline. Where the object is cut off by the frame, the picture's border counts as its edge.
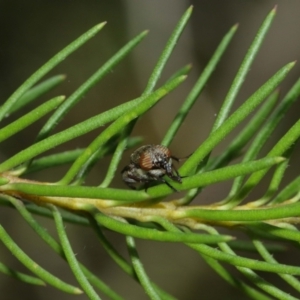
(148, 164)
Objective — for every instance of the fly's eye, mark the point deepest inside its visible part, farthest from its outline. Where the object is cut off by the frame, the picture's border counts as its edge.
(164, 150)
(146, 161)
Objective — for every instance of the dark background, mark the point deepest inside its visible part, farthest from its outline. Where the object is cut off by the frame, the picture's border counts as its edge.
(31, 32)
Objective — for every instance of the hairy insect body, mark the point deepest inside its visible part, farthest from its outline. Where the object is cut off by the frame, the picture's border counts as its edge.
(148, 164)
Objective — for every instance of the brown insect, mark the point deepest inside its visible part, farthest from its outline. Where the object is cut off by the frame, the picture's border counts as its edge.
(148, 164)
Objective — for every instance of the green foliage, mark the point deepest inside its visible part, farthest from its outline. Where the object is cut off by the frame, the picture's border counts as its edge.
(147, 215)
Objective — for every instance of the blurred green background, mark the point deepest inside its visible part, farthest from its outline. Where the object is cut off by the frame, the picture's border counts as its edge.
(32, 31)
